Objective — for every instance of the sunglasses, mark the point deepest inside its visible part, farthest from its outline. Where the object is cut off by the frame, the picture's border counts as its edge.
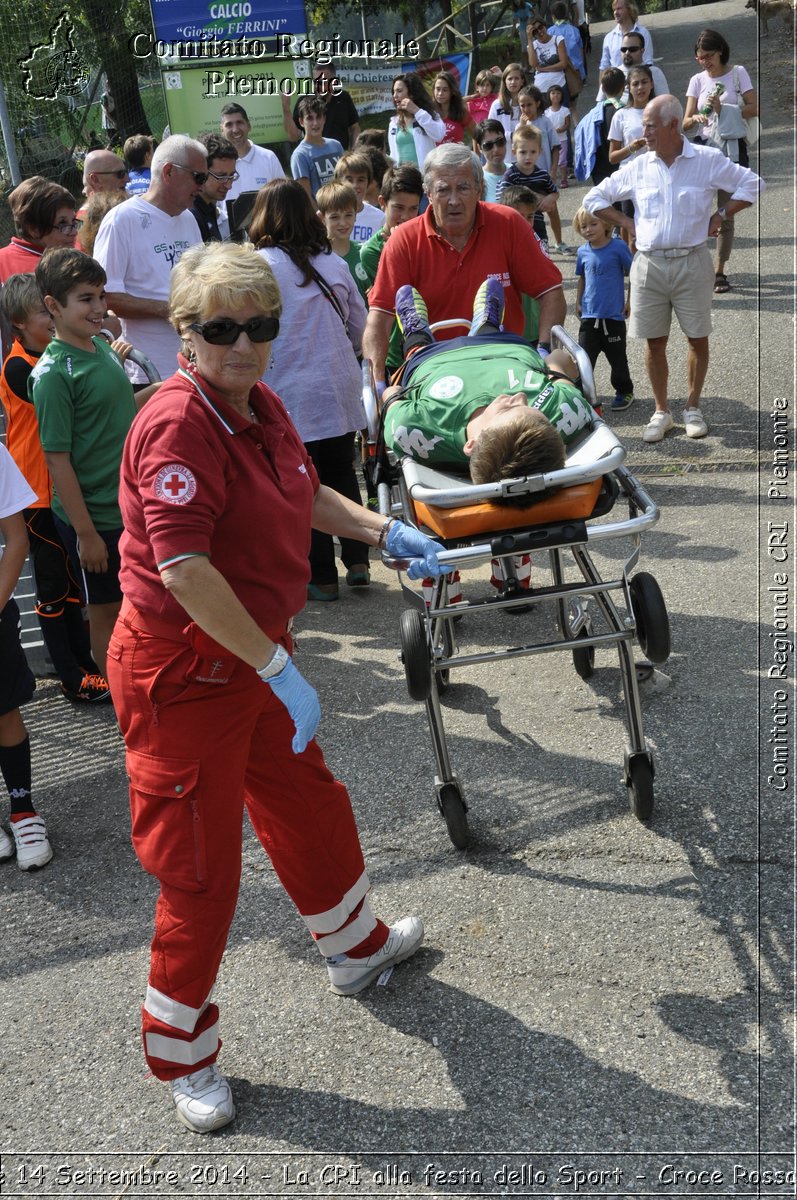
(631, 49)
(224, 178)
(200, 177)
(68, 226)
(226, 333)
(492, 145)
(120, 174)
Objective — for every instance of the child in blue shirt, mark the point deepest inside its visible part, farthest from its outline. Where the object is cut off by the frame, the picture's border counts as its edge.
(601, 267)
(314, 160)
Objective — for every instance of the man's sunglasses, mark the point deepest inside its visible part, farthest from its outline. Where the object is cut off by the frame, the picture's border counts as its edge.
(492, 145)
(120, 174)
(224, 178)
(200, 177)
(631, 49)
(226, 333)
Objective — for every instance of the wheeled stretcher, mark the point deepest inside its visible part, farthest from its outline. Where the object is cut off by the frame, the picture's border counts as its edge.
(564, 527)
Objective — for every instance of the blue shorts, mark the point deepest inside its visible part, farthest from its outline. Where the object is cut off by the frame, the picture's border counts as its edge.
(100, 587)
(17, 682)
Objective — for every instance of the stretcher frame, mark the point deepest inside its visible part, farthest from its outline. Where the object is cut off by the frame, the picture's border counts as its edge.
(632, 608)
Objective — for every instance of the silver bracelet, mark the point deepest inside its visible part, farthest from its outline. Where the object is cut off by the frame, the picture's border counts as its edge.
(389, 522)
(278, 662)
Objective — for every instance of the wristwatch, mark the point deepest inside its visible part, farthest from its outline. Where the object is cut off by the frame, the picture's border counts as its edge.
(278, 662)
(721, 213)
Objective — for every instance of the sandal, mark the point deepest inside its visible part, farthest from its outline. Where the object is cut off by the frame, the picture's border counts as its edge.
(721, 282)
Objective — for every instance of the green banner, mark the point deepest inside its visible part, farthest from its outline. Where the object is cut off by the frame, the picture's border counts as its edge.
(195, 96)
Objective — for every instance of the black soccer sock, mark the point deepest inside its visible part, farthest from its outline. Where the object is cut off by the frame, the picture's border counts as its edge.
(16, 771)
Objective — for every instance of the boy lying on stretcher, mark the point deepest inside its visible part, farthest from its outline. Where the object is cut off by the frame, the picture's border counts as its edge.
(487, 400)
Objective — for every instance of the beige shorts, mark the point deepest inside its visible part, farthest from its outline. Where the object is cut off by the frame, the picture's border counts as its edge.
(663, 286)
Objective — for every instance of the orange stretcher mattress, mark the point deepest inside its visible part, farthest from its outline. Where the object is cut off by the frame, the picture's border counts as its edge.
(571, 503)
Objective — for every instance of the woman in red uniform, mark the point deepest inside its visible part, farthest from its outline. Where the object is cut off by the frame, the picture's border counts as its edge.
(218, 497)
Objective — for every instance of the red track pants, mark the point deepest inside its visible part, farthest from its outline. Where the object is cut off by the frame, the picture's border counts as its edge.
(197, 752)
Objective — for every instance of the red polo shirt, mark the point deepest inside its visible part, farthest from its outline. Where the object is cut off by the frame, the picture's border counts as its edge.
(197, 478)
(19, 258)
(501, 244)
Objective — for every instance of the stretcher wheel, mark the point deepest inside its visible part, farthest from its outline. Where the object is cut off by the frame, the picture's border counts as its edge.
(639, 781)
(415, 654)
(454, 811)
(444, 673)
(584, 659)
(650, 613)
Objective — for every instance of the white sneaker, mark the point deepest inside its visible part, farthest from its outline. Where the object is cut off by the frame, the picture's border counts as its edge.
(694, 423)
(203, 1100)
(659, 424)
(33, 847)
(350, 975)
(6, 845)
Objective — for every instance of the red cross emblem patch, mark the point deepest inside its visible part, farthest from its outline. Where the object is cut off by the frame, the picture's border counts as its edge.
(175, 484)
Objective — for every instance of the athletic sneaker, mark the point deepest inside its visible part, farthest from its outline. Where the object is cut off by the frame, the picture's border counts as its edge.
(33, 846)
(93, 690)
(488, 306)
(563, 248)
(6, 845)
(411, 312)
(350, 975)
(694, 423)
(203, 1100)
(620, 402)
(659, 424)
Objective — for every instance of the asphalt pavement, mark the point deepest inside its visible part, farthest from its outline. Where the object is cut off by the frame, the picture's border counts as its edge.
(600, 1007)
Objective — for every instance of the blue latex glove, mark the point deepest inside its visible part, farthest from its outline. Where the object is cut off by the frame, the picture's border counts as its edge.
(301, 701)
(405, 542)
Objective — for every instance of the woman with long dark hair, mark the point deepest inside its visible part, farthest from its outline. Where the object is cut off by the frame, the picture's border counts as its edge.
(453, 109)
(313, 367)
(417, 127)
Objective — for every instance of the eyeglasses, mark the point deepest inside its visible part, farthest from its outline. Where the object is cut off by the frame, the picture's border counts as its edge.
(226, 333)
(200, 177)
(701, 58)
(442, 191)
(631, 49)
(492, 145)
(222, 178)
(68, 226)
(120, 174)
(537, 31)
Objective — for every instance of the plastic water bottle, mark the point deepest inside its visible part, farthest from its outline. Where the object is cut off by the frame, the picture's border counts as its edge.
(713, 94)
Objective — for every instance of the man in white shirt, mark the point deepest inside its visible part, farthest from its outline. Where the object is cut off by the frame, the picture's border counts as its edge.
(673, 188)
(632, 52)
(140, 241)
(626, 14)
(256, 165)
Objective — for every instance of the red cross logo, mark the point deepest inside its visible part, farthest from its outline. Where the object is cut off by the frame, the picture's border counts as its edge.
(175, 483)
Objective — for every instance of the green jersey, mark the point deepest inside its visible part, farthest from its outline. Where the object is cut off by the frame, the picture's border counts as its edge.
(352, 260)
(447, 386)
(370, 253)
(85, 407)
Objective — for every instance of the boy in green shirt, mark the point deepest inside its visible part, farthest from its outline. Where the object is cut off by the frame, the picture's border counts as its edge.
(337, 208)
(399, 198)
(84, 405)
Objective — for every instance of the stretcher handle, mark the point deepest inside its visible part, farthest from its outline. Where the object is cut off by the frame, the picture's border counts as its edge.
(560, 337)
(136, 356)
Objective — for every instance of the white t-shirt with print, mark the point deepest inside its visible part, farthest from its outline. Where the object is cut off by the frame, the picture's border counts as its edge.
(138, 244)
(367, 222)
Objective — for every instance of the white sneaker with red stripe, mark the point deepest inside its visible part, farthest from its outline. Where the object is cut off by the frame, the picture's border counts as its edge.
(203, 1100)
(33, 846)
